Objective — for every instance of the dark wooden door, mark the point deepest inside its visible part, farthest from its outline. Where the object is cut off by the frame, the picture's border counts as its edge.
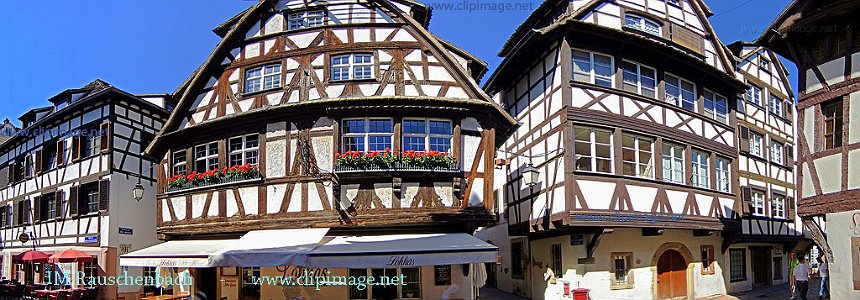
(671, 276)
(761, 266)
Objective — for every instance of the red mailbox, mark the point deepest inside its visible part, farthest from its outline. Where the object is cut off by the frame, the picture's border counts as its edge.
(566, 288)
(580, 294)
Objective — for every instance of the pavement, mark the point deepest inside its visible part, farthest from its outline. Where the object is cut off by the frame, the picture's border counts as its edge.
(491, 293)
(780, 292)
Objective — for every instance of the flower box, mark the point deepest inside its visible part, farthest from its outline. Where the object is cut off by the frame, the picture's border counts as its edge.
(234, 174)
(387, 161)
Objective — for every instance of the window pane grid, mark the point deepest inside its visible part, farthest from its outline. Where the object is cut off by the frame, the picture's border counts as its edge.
(593, 149)
(306, 19)
(673, 163)
(637, 153)
(352, 66)
(367, 134)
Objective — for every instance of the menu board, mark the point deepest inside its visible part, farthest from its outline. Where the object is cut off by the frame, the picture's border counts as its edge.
(442, 274)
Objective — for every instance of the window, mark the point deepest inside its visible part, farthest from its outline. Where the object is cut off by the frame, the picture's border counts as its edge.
(754, 94)
(638, 155)
(354, 291)
(28, 166)
(776, 152)
(149, 272)
(832, 116)
(776, 105)
(88, 202)
(555, 258)
(723, 175)
(756, 144)
(250, 282)
(408, 288)
(49, 157)
(778, 206)
(643, 24)
(179, 163)
(91, 269)
(639, 79)
(306, 19)
(263, 78)
(244, 150)
(427, 135)
(777, 267)
(680, 92)
(90, 143)
(411, 288)
(206, 157)
(47, 272)
(593, 149)
(622, 275)
(716, 106)
(351, 66)
(591, 67)
(367, 134)
(707, 259)
(673, 163)
(48, 207)
(701, 169)
(22, 208)
(764, 64)
(758, 202)
(4, 216)
(517, 260)
(674, 2)
(737, 265)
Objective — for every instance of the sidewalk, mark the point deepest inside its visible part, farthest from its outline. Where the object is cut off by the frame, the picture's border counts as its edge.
(780, 292)
(491, 293)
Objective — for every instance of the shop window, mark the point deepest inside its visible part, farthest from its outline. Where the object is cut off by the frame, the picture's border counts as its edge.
(356, 291)
(737, 265)
(411, 287)
(250, 282)
(91, 269)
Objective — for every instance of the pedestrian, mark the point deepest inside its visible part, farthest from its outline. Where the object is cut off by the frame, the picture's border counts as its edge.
(801, 277)
(824, 274)
(792, 262)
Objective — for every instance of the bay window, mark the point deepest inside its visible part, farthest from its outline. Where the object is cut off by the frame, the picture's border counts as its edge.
(206, 157)
(716, 106)
(638, 155)
(673, 163)
(592, 67)
(680, 92)
(367, 134)
(244, 150)
(639, 79)
(701, 169)
(352, 66)
(427, 135)
(723, 174)
(593, 148)
(263, 78)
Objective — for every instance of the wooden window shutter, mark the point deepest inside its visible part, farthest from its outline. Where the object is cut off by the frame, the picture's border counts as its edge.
(15, 219)
(789, 208)
(744, 138)
(37, 209)
(789, 155)
(38, 161)
(73, 201)
(788, 110)
(61, 153)
(104, 193)
(104, 137)
(687, 39)
(27, 210)
(6, 175)
(746, 196)
(58, 205)
(76, 148)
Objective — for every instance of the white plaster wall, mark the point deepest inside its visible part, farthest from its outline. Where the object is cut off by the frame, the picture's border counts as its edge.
(840, 230)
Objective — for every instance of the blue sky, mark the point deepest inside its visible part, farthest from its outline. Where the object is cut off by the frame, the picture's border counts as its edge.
(151, 46)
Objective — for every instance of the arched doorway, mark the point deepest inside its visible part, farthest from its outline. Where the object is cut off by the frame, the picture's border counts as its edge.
(671, 275)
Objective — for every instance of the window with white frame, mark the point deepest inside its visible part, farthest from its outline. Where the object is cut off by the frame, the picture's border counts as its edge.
(716, 106)
(756, 144)
(680, 92)
(638, 155)
(592, 67)
(263, 78)
(206, 157)
(244, 150)
(367, 134)
(723, 168)
(306, 19)
(639, 79)
(758, 202)
(593, 148)
(179, 163)
(427, 135)
(776, 150)
(673, 163)
(701, 169)
(778, 206)
(354, 66)
(643, 24)
(775, 105)
(754, 94)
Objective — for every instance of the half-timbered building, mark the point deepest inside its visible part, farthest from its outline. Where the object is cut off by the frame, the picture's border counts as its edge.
(766, 129)
(334, 123)
(7, 130)
(823, 39)
(628, 113)
(65, 183)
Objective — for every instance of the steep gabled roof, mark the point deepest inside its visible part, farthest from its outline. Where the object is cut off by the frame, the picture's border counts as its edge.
(737, 49)
(802, 12)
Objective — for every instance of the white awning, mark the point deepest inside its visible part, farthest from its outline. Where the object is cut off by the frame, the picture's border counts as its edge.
(262, 248)
(187, 254)
(402, 250)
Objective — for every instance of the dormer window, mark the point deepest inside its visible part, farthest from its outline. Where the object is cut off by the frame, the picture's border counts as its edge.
(353, 66)
(306, 19)
(263, 78)
(643, 24)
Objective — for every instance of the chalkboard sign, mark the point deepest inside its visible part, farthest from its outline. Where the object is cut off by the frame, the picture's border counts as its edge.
(442, 274)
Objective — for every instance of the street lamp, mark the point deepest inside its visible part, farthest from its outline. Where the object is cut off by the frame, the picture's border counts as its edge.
(137, 191)
(530, 175)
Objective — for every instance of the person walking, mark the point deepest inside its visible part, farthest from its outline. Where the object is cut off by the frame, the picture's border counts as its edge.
(824, 274)
(792, 262)
(800, 277)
